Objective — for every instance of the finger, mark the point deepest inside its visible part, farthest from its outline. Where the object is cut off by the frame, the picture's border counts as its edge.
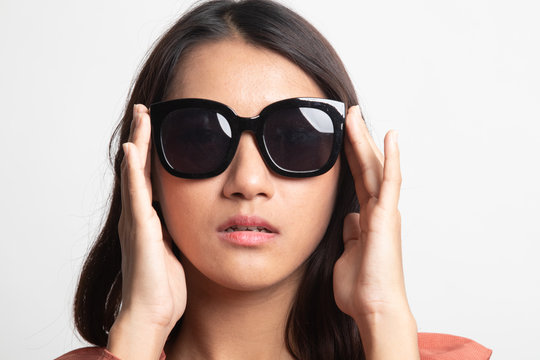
(351, 229)
(132, 124)
(124, 188)
(375, 148)
(368, 166)
(141, 136)
(391, 184)
(361, 192)
(135, 185)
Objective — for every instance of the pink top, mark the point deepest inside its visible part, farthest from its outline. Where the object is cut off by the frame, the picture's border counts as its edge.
(432, 347)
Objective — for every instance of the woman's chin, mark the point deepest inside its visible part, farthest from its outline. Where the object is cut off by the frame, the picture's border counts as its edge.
(246, 276)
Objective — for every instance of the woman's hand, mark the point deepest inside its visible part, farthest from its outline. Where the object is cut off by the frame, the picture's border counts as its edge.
(153, 281)
(368, 278)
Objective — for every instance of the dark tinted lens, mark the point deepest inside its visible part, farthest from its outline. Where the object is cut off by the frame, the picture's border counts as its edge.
(195, 140)
(299, 139)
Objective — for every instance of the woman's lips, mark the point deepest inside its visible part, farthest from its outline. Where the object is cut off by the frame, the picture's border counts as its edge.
(247, 230)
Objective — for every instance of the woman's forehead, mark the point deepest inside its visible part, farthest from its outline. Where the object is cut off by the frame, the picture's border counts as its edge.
(245, 77)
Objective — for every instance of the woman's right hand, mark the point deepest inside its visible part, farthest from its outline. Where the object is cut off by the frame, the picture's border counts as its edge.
(153, 280)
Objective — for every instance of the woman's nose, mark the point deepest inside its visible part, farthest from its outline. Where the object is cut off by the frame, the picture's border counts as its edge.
(248, 177)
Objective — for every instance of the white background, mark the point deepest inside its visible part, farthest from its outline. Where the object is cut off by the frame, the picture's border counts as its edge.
(459, 80)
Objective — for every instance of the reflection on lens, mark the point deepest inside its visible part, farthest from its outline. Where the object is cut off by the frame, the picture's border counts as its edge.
(299, 139)
(195, 140)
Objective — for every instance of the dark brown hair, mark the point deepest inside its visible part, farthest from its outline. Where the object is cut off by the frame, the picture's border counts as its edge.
(316, 328)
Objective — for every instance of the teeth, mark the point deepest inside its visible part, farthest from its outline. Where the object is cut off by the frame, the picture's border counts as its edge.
(247, 228)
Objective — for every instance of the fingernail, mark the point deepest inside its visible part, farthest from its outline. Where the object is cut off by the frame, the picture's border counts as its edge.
(356, 113)
(125, 147)
(395, 136)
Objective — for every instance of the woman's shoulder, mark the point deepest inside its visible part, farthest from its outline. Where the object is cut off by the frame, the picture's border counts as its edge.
(434, 346)
(93, 353)
(88, 353)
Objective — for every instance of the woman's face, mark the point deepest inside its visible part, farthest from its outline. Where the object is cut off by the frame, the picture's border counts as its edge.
(198, 212)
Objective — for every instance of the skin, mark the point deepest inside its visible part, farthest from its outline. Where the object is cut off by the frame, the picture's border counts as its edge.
(234, 301)
(246, 79)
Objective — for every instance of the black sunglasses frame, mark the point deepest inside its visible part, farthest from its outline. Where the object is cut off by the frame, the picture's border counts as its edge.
(335, 110)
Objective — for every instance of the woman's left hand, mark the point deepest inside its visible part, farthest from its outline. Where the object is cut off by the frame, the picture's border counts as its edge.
(368, 278)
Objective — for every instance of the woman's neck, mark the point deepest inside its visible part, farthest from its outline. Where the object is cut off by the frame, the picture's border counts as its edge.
(221, 323)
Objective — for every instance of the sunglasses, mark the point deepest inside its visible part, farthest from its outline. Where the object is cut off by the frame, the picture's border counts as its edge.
(197, 138)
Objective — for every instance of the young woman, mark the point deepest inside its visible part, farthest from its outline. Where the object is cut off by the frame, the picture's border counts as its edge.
(252, 215)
